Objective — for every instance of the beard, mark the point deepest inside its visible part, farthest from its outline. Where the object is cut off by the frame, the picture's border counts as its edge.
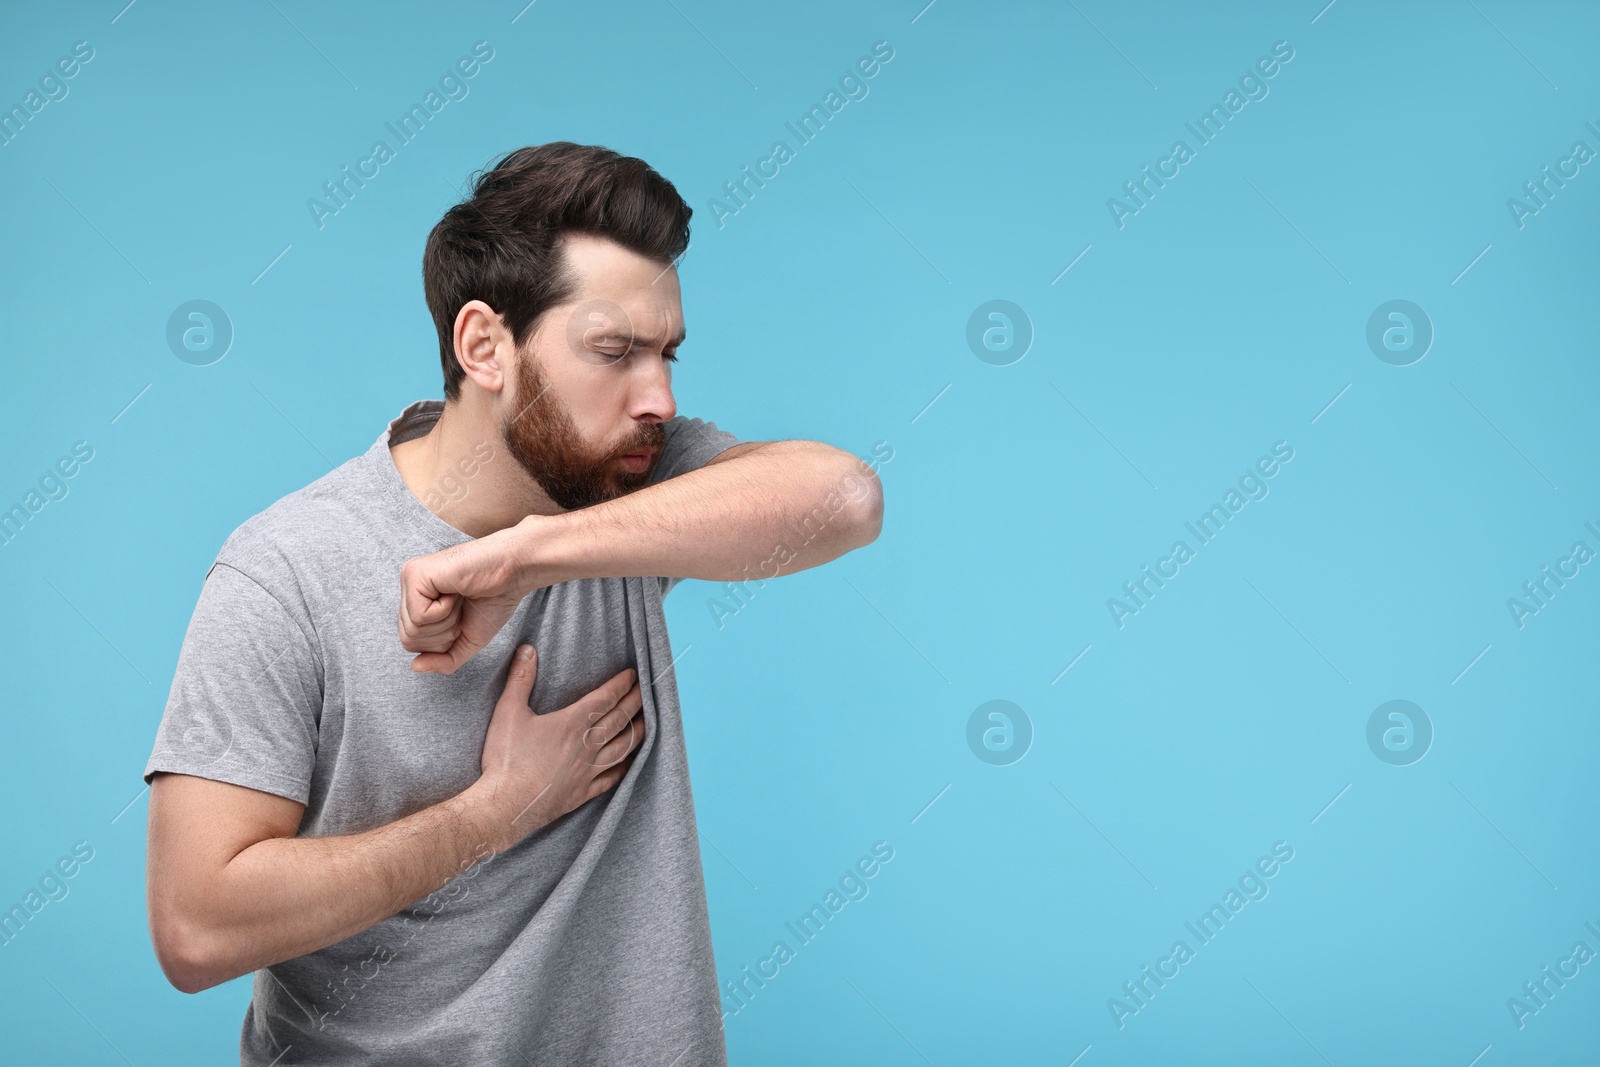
(544, 440)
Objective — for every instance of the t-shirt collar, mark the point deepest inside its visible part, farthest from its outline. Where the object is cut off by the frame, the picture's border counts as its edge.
(416, 420)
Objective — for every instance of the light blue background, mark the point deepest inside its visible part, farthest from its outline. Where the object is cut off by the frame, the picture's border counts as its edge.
(1227, 315)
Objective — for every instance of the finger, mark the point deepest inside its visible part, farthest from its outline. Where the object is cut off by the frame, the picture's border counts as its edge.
(611, 690)
(437, 616)
(437, 646)
(422, 600)
(440, 611)
(621, 748)
(602, 733)
(617, 770)
(437, 613)
(447, 661)
(604, 725)
(609, 778)
(432, 663)
(463, 649)
(438, 637)
(440, 644)
(625, 742)
(520, 677)
(603, 697)
(420, 619)
(437, 642)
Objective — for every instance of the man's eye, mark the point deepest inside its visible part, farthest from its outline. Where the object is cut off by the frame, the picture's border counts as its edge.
(617, 357)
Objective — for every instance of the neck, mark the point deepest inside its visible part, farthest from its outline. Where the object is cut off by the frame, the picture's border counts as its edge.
(462, 472)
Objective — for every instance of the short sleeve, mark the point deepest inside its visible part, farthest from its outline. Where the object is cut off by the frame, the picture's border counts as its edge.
(247, 693)
(690, 444)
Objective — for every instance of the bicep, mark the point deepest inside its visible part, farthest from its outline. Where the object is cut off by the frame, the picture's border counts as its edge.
(200, 823)
(196, 827)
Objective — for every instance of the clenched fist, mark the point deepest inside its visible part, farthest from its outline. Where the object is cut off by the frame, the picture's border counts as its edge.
(453, 602)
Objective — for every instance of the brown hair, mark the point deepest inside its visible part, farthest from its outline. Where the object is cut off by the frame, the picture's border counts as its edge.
(502, 244)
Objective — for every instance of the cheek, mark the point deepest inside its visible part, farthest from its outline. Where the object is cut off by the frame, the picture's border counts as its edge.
(600, 414)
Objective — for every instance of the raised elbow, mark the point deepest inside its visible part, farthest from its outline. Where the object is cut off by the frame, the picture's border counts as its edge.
(869, 522)
(867, 508)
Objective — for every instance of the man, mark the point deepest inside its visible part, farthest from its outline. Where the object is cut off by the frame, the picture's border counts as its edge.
(417, 868)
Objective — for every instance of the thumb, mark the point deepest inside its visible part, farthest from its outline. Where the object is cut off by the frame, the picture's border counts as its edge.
(519, 680)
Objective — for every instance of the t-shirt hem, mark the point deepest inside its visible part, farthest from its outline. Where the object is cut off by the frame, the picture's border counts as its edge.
(249, 778)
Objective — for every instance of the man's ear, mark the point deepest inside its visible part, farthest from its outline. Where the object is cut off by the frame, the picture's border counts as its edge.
(483, 346)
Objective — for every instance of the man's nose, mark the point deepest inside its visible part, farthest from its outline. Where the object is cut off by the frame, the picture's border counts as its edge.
(654, 396)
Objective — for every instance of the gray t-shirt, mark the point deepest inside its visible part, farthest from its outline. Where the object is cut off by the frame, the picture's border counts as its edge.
(587, 942)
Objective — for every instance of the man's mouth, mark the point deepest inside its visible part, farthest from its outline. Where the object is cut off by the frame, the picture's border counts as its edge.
(638, 461)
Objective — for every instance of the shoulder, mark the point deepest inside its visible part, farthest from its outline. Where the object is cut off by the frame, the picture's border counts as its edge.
(281, 546)
(685, 427)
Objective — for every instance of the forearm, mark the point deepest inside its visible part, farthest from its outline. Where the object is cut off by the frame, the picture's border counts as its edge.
(787, 507)
(287, 896)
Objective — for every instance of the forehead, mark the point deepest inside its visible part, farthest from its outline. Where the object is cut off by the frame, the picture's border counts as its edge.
(643, 288)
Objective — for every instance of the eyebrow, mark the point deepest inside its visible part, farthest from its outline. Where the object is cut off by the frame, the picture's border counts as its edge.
(611, 338)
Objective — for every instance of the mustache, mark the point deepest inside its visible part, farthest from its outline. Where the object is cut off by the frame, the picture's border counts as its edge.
(651, 440)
